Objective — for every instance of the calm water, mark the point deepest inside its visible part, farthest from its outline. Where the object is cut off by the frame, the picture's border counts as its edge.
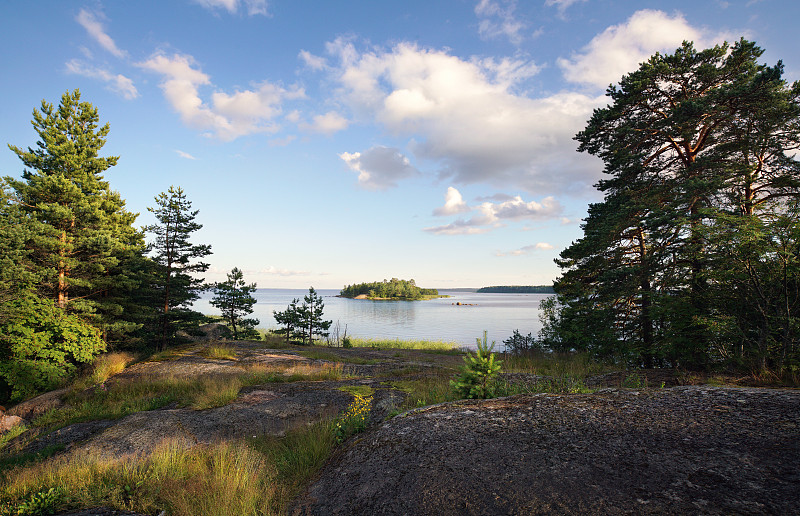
(436, 319)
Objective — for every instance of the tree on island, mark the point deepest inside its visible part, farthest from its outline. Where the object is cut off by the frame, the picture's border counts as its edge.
(176, 266)
(692, 255)
(234, 298)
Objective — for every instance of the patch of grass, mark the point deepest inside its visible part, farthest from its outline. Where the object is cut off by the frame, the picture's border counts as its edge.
(360, 390)
(120, 399)
(258, 476)
(333, 357)
(427, 345)
(10, 434)
(170, 354)
(559, 385)
(428, 390)
(218, 351)
(104, 367)
(8, 462)
(574, 365)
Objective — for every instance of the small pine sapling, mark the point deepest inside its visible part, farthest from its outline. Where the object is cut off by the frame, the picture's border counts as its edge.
(478, 372)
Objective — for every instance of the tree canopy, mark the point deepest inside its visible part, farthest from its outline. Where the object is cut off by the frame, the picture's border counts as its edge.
(389, 289)
(235, 299)
(698, 149)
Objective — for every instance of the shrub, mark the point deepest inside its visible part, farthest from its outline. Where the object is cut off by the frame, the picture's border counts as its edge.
(478, 372)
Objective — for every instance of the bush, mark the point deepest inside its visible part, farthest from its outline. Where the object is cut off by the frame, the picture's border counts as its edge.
(478, 372)
(41, 345)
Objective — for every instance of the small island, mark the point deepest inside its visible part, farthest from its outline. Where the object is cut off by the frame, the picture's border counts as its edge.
(394, 289)
(518, 289)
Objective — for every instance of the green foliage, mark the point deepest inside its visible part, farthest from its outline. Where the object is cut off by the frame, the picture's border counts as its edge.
(478, 372)
(83, 235)
(392, 289)
(354, 419)
(41, 345)
(689, 260)
(42, 503)
(234, 298)
(176, 262)
(518, 343)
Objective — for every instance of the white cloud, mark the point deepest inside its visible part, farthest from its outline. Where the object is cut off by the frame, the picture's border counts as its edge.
(327, 124)
(227, 116)
(528, 249)
(497, 19)
(561, 5)
(380, 167)
(467, 117)
(620, 49)
(312, 61)
(492, 215)
(184, 155)
(253, 7)
(117, 83)
(453, 203)
(95, 29)
(275, 271)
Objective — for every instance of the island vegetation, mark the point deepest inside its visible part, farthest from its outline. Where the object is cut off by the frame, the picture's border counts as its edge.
(517, 289)
(389, 289)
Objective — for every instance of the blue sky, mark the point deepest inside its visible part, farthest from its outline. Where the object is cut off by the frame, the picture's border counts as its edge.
(328, 143)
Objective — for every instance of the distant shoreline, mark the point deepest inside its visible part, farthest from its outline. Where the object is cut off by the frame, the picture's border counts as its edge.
(517, 289)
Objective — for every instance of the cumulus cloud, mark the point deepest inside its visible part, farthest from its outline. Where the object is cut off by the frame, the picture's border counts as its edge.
(115, 82)
(329, 123)
(252, 7)
(466, 116)
(95, 29)
(621, 48)
(497, 19)
(226, 116)
(184, 155)
(453, 203)
(528, 249)
(489, 215)
(380, 167)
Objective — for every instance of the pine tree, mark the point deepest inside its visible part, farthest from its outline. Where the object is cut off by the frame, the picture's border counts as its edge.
(176, 262)
(311, 317)
(234, 298)
(85, 232)
(290, 321)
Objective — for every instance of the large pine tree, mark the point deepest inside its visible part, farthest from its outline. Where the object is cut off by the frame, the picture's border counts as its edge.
(85, 234)
(689, 140)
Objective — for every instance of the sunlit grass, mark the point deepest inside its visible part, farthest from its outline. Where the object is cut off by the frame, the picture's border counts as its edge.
(426, 345)
(117, 400)
(218, 351)
(104, 367)
(259, 476)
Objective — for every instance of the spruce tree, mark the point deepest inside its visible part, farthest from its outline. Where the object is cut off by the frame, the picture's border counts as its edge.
(177, 263)
(289, 321)
(234, 298)
(311, 316)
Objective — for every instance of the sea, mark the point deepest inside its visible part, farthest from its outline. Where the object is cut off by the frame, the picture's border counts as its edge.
(461, 318)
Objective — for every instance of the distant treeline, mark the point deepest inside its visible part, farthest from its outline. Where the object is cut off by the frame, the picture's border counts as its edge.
(518, 289)
(392, 289)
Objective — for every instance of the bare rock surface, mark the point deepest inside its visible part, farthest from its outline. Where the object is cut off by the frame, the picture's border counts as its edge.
(682, 450)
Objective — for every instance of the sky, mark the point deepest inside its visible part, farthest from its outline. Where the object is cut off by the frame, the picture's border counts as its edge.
(331, 143)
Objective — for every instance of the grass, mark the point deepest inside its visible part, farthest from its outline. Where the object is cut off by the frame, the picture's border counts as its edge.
(573, 365)
(104, 367)
(149, 393)
(218, 351)
(253, 477)
(333, 357)
(424, 345)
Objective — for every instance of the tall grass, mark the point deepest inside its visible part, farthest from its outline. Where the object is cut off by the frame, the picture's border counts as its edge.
(430, 345)
(218, 351)
(573, 365)
(104, 367)
(253, 477)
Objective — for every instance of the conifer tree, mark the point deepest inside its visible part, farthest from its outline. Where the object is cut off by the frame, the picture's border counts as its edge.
(234, 298)
(177, 262)
(290, 321)
(84, 231)
(311, 316)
